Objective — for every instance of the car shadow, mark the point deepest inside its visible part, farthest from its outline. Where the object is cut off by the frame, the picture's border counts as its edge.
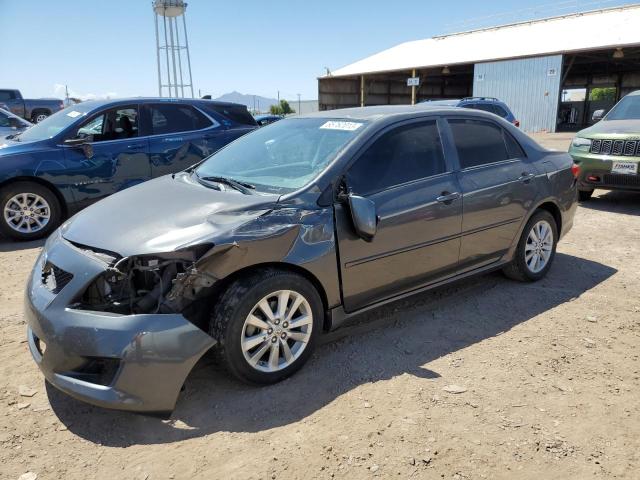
(614, 201)
(400, 338)
(8, 245)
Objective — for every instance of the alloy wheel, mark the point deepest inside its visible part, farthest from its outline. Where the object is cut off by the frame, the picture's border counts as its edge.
(539, 246)
(27, 213)
(277, 331)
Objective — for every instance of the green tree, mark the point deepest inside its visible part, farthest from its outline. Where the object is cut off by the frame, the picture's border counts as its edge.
(602, 93)
(283, 109)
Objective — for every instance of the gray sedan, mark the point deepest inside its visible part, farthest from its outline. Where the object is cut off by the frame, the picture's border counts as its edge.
(11, 124)
(283, 235)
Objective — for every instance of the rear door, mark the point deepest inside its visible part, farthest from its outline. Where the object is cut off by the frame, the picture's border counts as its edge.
(498, 187)
(177, 136)
(419, 206)
(119, 156)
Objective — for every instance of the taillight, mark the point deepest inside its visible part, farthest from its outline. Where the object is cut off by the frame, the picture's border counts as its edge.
(516, 123)
(575, 169)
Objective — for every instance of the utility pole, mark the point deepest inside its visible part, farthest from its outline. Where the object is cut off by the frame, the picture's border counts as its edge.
(66, 94)
(298, 104)
(278, 97)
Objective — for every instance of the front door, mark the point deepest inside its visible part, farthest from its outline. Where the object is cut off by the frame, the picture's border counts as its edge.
(177, 134)
(419, 206)
(119, 158)
(498, 187)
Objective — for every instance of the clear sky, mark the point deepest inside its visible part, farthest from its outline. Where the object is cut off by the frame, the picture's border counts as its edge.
(101, 47)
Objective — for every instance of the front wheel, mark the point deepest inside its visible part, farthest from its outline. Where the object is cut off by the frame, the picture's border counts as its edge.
(29, 211)
(266, 325)
(536, 249)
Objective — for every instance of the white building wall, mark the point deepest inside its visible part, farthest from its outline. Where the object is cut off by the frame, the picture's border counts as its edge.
(529, 86)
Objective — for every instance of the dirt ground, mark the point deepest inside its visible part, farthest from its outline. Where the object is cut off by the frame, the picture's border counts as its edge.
(549, 375)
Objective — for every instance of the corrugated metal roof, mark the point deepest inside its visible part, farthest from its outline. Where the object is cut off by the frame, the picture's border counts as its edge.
(615, 27)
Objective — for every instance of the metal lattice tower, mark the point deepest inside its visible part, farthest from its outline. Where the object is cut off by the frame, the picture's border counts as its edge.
(172, 80)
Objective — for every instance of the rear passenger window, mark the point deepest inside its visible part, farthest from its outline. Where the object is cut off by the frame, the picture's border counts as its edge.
(176, 118)
(478, 142)
(235, 114)
(402, 155)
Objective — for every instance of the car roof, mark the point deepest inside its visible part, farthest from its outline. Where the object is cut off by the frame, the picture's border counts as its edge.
(382, 111)
(127, 101)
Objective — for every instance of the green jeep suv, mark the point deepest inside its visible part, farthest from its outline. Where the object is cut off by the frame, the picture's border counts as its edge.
(608, 153)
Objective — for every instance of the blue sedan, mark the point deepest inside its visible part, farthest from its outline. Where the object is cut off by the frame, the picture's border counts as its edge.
(91, 150)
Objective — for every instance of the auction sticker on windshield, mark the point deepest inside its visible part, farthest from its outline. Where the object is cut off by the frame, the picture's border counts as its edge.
(624, 167)
(340, 125)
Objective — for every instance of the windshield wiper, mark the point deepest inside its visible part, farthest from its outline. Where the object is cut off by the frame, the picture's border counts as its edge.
(243, 187)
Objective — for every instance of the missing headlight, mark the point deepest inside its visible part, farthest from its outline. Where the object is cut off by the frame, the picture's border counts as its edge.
(162, 283)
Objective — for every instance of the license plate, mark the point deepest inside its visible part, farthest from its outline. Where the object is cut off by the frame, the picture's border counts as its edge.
(624, 167)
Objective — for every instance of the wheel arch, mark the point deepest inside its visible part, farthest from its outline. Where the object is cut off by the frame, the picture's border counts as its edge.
(44, 183)
(222, 284)
(554, 210)
(40, 109)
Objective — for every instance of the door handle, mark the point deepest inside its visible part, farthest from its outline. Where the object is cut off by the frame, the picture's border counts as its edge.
(526, 177)
(447, 197)
(137, 146)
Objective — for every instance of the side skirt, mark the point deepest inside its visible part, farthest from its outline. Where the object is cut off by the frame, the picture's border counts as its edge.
(338, 315)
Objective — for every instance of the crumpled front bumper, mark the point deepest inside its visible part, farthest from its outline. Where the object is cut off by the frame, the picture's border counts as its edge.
(148, 356)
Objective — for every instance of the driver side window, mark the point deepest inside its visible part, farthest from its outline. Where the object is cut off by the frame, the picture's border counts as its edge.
(404, 154)
(115, 124)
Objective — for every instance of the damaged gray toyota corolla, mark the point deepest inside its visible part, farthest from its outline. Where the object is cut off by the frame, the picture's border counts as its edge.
(282, 235)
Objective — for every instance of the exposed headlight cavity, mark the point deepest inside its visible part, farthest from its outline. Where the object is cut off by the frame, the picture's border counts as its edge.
(159, 283)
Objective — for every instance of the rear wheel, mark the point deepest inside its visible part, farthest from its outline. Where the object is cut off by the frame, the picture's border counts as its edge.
(266, 325)
(29, 211)
(536, 249)
(584, 195)
(39, 116)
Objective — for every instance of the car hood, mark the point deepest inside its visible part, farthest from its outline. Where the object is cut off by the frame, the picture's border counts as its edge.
(11, 147)
(163, 215)
(612, 127)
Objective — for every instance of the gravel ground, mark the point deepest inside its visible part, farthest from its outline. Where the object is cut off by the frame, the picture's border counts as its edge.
(487, 378)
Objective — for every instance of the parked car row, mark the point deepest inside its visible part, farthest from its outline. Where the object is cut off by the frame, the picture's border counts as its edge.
(35, 110)
(283, 234)
(94, 149)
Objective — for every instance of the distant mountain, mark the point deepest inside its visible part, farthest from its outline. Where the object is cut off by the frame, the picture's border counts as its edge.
(260, 104)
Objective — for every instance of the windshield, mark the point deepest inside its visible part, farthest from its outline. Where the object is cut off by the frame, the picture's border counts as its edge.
(283, 156)
(626, 109)
(51, 126)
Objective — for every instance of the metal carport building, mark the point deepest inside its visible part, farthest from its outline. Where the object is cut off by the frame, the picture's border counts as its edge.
(553, 73)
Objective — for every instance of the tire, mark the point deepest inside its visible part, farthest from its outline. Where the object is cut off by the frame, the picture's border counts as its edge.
(229, 325)
(39, 116)
(39, 200)
(522, 270)
(584, 195)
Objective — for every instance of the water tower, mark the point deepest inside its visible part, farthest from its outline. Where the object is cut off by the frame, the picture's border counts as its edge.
(172, 48)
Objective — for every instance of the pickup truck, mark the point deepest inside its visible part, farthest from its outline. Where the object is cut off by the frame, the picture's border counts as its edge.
(34, 110)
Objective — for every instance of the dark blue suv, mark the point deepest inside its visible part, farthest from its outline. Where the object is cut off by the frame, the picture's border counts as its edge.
(486, 104)
(91, 150)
